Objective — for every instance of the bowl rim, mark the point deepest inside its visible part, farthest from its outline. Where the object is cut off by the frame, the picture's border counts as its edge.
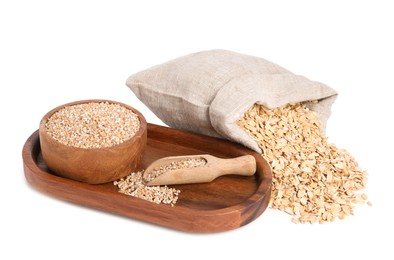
(139, 134)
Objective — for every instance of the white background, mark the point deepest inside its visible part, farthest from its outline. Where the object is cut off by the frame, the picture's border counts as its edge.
(54, 52)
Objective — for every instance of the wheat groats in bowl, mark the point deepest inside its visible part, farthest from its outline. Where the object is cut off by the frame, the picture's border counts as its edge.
(93, 141)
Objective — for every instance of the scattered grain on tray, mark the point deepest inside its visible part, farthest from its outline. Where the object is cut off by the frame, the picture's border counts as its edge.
(313, 180)
(176, 165)
(93, 125)
(133, 185)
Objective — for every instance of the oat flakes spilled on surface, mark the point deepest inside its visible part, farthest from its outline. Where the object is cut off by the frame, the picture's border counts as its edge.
(313, 180)
(93, 125)
(134, 185)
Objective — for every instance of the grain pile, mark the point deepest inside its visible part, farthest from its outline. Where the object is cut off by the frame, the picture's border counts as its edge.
(134, 185)
(176, 165)
(313, 180)
(93, 125)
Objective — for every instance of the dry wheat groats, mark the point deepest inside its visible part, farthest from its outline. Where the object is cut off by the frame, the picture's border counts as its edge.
(176, 165)
(134, 185)
(313, 180)
(93, 125)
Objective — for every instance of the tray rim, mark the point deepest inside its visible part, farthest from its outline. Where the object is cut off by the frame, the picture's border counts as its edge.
(260, 196)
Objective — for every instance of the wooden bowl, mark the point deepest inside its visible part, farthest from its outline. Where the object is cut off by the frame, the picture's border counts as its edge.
(93, 165)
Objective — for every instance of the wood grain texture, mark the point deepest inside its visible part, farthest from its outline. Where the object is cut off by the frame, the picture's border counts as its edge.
(226, 203)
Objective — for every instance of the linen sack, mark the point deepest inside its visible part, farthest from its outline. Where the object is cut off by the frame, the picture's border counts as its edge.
(207, 92)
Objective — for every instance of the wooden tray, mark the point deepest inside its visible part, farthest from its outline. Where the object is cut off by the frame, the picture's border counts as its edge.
(226, 203)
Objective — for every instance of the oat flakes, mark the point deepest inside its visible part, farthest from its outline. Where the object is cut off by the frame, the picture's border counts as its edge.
(313, 180)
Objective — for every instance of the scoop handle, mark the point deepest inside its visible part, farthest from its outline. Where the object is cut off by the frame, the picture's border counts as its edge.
(244, 165)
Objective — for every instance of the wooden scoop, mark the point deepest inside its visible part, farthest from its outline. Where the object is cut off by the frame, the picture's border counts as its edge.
(213, 168)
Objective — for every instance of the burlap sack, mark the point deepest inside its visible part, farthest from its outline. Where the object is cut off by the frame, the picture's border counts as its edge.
(207, 92)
